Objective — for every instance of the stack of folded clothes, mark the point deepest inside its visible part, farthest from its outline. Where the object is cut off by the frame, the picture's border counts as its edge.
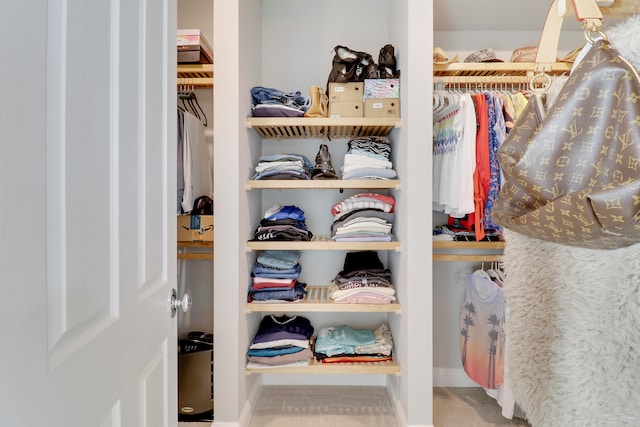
(283, 223)
(365, 217)
(343, 344)
(275, 278)
(281, 341)
(363, 280)
(283, 166)
(368, 158)
(270, 102)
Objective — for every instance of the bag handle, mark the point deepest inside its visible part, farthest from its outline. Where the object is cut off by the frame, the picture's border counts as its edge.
(587, 12)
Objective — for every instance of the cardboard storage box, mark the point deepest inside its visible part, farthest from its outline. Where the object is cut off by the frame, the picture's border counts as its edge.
(342, 92)
(386, 107)
(192, 57)
(195, 228)
(193, 41)
(381, 88)
(346, 109)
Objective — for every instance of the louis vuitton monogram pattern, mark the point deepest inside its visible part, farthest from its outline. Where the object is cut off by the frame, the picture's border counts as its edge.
(572, 173)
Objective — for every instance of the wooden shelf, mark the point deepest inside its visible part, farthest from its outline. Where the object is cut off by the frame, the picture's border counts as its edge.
(338, 184)
(387, 367)
(319, 300)
(467, 251)
(182, 254)
(468, 257)
(198, 76)
(190, 244)
(321, 243)
(449, 244)
(495, 69)
(321, 128)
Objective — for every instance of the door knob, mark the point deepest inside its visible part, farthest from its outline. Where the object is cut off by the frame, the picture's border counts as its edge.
(174, 302)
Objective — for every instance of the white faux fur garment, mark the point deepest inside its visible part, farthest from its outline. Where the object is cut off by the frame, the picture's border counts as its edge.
(574, 319)
(625, 37)
(574, 332)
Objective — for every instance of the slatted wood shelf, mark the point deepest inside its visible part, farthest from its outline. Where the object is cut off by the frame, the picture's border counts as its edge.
(321, 243)
(198, 76)
(318, 299)
(339, 184)
(387, 367)
(321, 128)
(497, 69)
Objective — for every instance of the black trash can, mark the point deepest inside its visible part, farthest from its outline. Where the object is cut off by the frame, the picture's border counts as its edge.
(195, 377)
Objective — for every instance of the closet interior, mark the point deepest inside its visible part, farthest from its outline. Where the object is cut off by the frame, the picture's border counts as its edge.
(458, 33)
(194, 90)
(288, 46)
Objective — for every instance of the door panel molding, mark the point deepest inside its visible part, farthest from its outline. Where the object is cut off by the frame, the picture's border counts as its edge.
(152, 389)
(82, 175)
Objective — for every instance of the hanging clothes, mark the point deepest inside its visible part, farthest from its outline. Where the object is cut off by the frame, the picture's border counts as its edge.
(482, 321)
(497, 135)
(454, 136)
(180, 161)
(197, 168)
(469, 128)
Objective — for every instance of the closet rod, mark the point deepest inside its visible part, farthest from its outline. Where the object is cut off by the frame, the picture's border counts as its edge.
(462, 80)
(196, 82)
(468, 257)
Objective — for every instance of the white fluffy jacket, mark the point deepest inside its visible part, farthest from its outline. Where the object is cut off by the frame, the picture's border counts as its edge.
(574, 321)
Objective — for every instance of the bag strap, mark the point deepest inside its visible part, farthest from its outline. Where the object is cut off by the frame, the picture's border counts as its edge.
(587, 12)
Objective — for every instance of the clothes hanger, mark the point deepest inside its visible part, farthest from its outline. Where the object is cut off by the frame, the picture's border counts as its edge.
(191, 104)
(195, 98)
(195, 108)
(482, 272)
(436, 102)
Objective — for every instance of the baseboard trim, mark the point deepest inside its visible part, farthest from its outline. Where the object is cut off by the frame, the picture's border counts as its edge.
(401, 417)
(247, 410)
(249, 405)
(451, 377)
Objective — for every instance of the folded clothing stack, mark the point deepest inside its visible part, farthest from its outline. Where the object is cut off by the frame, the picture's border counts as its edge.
(368, 158)
(283, 223)
(344, 344)
(283, 166)
(363, 280)
(281, 341)
(364, 217)
(275, 278)
(270, 102)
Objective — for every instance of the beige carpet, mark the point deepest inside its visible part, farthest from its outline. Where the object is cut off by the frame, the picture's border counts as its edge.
(323, 406)
(332, 406)
(468, 407)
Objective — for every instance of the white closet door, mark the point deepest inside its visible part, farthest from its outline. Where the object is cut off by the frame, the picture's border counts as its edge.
(87, 226)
